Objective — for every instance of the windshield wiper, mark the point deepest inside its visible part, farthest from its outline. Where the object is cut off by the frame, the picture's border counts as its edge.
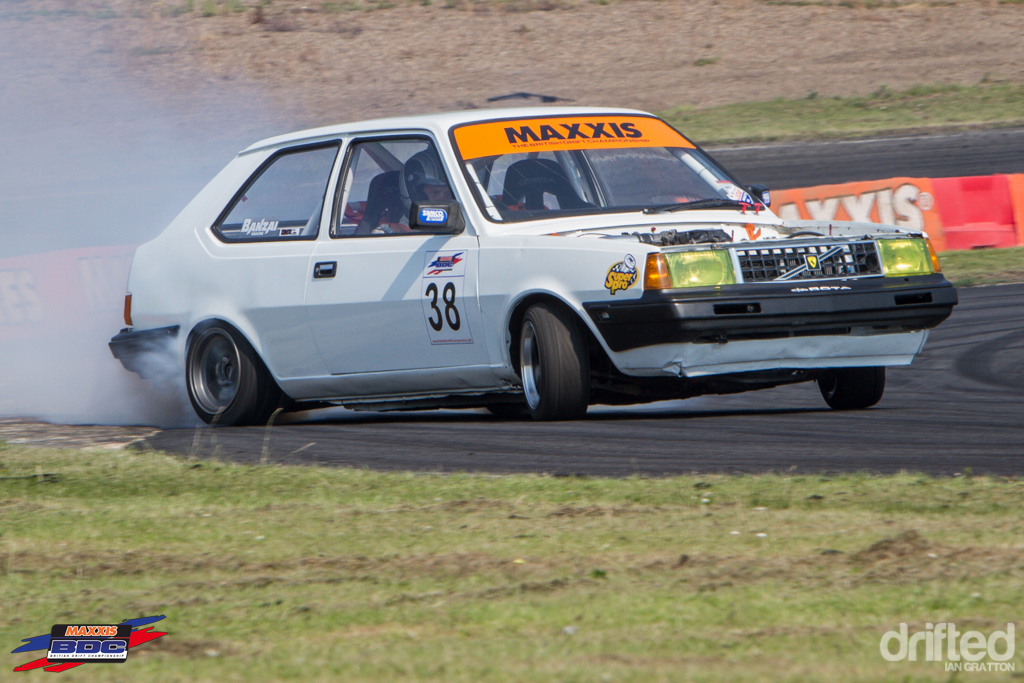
(711, 203)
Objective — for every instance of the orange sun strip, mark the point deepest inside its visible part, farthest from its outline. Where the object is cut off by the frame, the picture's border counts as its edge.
(565, 133)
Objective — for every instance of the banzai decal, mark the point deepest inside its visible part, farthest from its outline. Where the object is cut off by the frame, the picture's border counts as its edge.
(444, 279)
(258, 227)
(622, 275)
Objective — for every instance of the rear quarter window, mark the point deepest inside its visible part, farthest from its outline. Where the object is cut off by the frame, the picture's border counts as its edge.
(283, 200)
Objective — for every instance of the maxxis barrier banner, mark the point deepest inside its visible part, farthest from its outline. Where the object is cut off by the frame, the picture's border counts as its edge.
(971, 212)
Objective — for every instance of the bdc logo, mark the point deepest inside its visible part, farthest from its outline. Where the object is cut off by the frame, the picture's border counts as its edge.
(70, 645)
(86, 643)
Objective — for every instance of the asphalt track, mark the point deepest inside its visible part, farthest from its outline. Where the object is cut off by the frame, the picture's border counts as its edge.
(804, 164)
(959, 406)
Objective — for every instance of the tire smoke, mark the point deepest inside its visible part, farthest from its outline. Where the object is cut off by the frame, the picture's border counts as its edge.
(90, 167)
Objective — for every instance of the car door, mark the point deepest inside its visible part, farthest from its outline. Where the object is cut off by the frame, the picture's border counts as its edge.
(263, 243)
(384, 299)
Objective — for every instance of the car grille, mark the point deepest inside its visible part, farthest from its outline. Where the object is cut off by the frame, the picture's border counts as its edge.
(809, 262)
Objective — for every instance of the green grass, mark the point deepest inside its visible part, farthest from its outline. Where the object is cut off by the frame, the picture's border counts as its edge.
(920, 108)
(298, 573)
(983, 266)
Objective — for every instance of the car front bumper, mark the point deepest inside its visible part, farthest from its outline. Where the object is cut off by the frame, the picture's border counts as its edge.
(145, 352)
(739, 328)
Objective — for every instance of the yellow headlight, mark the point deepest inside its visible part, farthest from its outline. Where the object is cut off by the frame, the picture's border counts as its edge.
(700, 268)
(905, 257)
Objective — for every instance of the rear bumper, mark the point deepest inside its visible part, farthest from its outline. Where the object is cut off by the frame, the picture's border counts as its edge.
(145, 352)
(775, 311)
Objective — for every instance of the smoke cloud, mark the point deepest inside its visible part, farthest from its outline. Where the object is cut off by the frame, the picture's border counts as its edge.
(91, 165)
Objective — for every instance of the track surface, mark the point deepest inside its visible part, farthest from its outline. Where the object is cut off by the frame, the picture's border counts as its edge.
(960, 405)
(804, 164)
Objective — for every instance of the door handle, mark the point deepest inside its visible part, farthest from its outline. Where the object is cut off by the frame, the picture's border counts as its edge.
(325, 269)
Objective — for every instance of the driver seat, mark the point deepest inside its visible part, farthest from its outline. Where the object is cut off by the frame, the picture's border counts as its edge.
(526, 181)
(383, 203)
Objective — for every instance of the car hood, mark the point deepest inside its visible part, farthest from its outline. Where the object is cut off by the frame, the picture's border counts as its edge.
(739, 226)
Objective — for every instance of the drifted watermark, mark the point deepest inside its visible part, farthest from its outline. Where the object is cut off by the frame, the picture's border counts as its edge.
(961, 650)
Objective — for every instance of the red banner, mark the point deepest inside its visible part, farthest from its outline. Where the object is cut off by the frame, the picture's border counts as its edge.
(41, 293)
(957, 213)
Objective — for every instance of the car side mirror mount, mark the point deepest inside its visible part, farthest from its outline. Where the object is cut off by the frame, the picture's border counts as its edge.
(762, 194)
(441, 218)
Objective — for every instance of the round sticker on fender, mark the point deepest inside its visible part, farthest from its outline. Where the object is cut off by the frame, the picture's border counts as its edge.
(622, 275)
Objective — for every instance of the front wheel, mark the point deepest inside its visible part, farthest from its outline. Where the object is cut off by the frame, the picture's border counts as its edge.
(227, 382)
(554, 363)
(852, 388)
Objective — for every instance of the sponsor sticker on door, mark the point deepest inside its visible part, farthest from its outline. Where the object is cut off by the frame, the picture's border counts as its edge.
(443, 287)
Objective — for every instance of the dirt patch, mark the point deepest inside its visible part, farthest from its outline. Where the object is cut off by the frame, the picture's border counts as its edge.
(908, 544)
(321, 63)
(87, 437)
(599, 511)
(91, 564)
(191, 649)
(905, 558)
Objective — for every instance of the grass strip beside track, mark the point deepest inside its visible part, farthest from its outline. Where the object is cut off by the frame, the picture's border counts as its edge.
(300, 573)
(919, 109)
(983, 266)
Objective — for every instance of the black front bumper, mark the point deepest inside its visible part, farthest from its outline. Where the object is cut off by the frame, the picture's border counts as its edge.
(140, 351)
(774, 310)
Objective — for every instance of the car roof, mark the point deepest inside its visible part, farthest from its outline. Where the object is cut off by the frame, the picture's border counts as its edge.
(437, 122)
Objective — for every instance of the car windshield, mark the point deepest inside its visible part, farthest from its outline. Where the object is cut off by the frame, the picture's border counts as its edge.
(531, 169)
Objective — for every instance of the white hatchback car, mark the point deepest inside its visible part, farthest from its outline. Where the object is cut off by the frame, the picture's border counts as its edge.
(531, 261)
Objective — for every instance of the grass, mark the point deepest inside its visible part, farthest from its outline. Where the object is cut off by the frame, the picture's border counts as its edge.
(983, 266)
(291, 573)
(920, 108)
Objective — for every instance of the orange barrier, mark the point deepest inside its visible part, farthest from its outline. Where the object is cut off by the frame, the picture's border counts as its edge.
(1017, 199)
(903, 202)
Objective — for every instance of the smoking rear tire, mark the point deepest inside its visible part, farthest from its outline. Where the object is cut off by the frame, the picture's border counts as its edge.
(227, 382)
(554, 364)
(852, 388)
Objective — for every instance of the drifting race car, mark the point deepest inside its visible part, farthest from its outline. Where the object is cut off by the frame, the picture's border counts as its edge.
(531, 261)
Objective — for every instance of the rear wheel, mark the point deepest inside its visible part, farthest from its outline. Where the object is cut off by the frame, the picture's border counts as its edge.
(554, 364)
(227, 382)
(852, 388)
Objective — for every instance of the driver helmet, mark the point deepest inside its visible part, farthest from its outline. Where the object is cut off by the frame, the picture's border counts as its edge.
(422, 169)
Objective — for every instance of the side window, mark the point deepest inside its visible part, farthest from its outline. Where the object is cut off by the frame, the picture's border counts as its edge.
(381, 181)
(284, 200)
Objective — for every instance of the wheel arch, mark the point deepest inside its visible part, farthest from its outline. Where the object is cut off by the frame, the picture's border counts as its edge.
(242, 338)
(514, 323)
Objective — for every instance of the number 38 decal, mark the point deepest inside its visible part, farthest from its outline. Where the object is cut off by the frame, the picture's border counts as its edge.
(444, 278)
(451, 311)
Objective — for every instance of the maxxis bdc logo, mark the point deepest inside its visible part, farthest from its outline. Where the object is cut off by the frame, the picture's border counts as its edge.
(71, 645)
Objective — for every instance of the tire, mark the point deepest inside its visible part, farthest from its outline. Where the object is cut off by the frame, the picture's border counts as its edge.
(227, 382)
(852, 388)
(554, 364)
